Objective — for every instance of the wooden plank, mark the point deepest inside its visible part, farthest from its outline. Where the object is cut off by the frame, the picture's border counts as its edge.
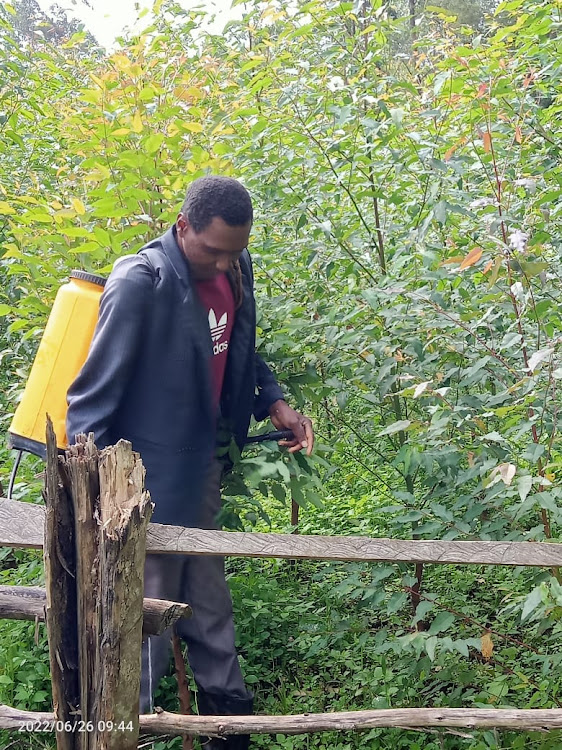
(22, 603)
(22, 525)
(28, 603)
(172, 539)
(177, 540)
(60, 601)
(527, 720)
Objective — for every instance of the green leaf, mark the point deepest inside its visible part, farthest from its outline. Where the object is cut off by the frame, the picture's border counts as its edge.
(533, 600)
(315, 499)
(396, 602)
(533, 268)
(442, 622)
(283, 469)
(430, 645)
(279, 493)
(461, 646)
(297, 494)
(193, 127)
(494, 437)
(524, 485)
(77, 232)
(421, 611)
(152, 144)
(399, 426)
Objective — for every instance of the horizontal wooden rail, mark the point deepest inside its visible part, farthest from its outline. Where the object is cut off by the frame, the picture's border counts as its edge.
(28, 603)
(21, 525)
(405, 718)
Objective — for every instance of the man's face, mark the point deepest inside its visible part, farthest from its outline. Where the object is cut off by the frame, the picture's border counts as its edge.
(211, 251)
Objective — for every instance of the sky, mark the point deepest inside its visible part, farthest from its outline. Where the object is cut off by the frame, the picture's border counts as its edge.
(107, 18)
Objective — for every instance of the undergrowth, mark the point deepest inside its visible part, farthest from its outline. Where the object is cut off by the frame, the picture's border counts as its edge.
(322, 637)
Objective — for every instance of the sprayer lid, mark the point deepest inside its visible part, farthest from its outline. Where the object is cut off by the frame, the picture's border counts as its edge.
(91, 277)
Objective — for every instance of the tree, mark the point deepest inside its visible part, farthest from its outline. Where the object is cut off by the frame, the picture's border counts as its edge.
(32, 25)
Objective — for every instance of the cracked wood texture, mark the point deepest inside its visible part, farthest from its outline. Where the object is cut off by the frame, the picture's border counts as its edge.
(219, 726)
(21, 525)
(81, 466)
(28, 603)
(125, 509)
(60, 594)
(111, 513)
(173, 539)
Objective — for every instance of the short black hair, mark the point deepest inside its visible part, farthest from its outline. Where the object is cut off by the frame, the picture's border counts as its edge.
(212, 196)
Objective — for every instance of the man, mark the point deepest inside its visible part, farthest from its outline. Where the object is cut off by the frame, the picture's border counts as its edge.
(173, 354)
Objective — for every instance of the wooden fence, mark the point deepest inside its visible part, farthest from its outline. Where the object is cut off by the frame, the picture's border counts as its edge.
(95, 530)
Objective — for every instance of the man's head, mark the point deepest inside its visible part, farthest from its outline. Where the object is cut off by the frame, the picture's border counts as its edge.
(213, 226)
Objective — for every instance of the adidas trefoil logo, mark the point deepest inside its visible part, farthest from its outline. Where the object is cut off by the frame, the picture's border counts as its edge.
(217, 330)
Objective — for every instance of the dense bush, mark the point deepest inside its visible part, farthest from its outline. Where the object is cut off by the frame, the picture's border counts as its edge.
(407, 183)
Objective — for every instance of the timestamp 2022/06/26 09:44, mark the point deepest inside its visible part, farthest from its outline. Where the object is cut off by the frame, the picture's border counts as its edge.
(75, 726)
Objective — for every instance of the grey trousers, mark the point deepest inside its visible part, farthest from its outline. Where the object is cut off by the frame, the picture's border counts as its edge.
(209, 633)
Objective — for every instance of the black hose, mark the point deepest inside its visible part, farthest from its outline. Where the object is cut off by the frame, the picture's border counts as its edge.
(275, 435)
(13, 474)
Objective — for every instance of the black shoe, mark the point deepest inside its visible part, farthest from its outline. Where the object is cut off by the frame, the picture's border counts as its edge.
(218, 704)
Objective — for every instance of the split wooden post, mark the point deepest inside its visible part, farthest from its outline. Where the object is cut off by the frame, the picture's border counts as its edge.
(60, 612)
(81, 465)
(112, 511)
(125, 512)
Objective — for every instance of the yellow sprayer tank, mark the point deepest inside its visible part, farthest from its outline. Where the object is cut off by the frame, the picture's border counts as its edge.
(61, 354)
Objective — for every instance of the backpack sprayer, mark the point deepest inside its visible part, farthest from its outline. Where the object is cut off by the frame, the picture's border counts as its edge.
(62, 352)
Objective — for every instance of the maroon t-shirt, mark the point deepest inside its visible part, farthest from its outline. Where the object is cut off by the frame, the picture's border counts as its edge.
(217, 299)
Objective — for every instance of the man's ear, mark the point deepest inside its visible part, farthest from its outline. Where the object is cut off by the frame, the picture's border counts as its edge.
(182, 222)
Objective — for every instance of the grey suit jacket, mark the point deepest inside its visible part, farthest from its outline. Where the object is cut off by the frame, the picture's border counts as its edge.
(147, 376)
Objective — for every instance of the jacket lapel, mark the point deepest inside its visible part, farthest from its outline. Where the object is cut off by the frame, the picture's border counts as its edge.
(176, 257)
(194, 316)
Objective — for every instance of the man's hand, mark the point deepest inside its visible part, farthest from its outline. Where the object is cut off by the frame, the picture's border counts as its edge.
(286, 418)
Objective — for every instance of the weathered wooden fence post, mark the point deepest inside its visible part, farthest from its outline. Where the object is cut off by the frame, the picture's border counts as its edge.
(108, 525)
(60, 584)
(125, 512)
(81, 466)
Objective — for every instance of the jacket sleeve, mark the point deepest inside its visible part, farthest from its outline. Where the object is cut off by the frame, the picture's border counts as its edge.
(95, 395)
(267, 389)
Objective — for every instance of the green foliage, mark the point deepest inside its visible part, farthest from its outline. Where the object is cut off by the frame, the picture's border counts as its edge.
(406, 250)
